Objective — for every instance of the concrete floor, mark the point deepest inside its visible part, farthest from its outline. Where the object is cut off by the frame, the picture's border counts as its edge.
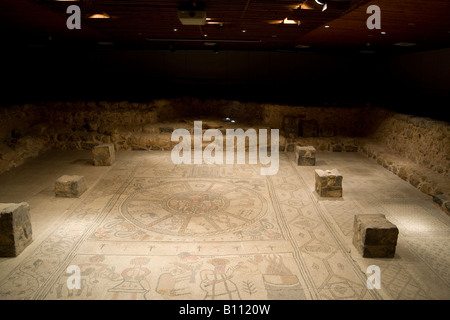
(148, 229)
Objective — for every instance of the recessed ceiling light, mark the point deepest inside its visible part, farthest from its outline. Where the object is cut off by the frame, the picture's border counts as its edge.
(244, 31)
(103, 15)
(105, 43)
(287, 21)
(327, 27)
(205, 35)
(383, 32)
(175, 29)
(405, 44)
(294, 6)
(302, 46)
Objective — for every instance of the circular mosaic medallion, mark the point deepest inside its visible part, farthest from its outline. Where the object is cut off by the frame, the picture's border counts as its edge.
(194, 207)
(196, 203)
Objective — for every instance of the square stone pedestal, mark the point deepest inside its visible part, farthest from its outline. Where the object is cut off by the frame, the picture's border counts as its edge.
(328, 183)
(15, 228)
(70, 186)
(104, 154)
(374, 236)
(305, 156)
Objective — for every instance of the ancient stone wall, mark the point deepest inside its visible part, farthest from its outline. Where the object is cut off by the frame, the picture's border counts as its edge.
(423, 141)
(417, 150)
(20, 139)
(312, 121)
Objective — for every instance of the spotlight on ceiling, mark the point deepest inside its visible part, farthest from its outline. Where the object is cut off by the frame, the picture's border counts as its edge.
(322, 3)
(103, 15)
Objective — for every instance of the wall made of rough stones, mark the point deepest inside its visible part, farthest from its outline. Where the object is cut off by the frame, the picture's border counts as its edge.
(332, 120)
(423, 141)
(416, 149)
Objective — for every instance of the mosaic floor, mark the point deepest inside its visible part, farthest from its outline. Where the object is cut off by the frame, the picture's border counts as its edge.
(149, 229)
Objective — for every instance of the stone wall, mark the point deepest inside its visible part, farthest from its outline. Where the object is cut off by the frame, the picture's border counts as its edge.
(423, 141)
(328, 121)
(20, 138)
(416, 149)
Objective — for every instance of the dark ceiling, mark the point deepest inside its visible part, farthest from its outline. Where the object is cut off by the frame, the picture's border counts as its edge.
(142, 50)
(231, 25)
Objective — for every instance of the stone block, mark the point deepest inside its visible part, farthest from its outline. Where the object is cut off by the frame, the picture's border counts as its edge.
(70, 186)
(374, 236)
(104, 154)
(15, 228)
(305, 156)
(328, 183)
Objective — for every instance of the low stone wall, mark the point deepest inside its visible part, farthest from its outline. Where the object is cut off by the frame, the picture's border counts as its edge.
(423, 141)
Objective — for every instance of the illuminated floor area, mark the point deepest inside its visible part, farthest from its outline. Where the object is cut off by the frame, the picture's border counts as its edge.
(149, 229)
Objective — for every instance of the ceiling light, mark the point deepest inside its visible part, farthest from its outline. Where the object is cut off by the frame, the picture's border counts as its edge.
(105, 43)
(294, 6)
(405, 44)
(103, 15)
(287, 21)
(327, 27)
(218, 23)
(175, 29)
(383, 32)
(322, 3)
(306, 6)
(244, 31)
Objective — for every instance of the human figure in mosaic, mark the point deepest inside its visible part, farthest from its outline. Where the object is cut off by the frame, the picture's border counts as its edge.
(180, 278)
(217, 283)
(134, 281)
